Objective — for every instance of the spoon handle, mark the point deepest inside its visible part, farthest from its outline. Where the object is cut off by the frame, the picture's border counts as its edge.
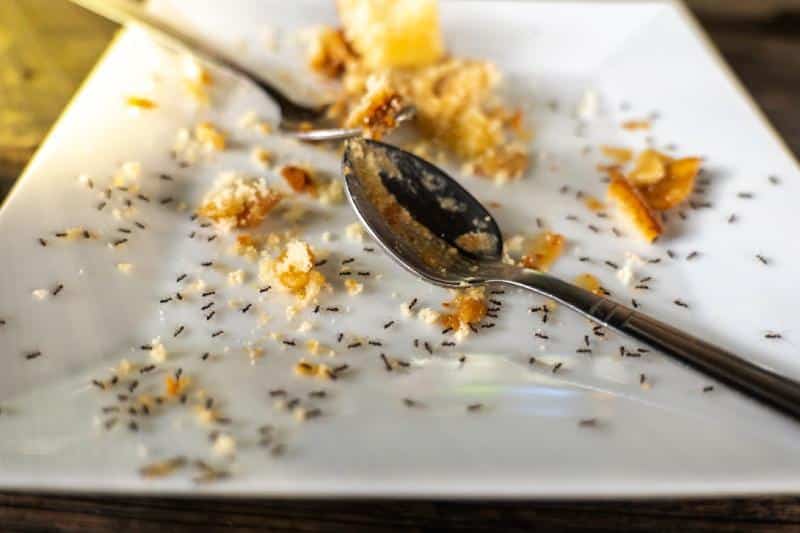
(751, 379)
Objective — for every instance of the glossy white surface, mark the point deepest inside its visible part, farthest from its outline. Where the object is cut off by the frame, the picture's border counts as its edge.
(666, 439)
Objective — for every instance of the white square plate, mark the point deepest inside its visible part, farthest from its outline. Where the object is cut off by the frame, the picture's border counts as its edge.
(665, 438)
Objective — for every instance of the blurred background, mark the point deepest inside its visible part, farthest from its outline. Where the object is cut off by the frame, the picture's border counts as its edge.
(47, 47)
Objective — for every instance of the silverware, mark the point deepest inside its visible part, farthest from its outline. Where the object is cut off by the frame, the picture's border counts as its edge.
(420, 215)
(295, 117)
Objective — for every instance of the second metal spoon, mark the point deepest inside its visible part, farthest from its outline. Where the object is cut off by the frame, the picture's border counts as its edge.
(420, 216)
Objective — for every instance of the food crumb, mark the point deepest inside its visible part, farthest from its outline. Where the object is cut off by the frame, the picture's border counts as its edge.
(224, 445)
(40, 294)
(158, 352)
(353, 287)
(355, 232)
(428, 315)
(261, 157)
(236, 277)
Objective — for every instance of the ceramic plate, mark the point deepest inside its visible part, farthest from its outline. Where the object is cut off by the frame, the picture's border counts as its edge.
(665, 436)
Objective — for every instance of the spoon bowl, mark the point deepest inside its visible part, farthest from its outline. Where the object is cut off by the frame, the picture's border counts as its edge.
(423, 218)
(437, 230)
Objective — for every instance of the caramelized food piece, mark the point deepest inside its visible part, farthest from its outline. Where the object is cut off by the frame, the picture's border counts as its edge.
(298, 178)
(675, 187)
(616, 154)
(651, 167)
(293, 271)
(393, 33)
(237, 201)
(590, 283)
(330, 53)
(377, 111)
(593, 203)
(546, 248)
(468, 307)
(634, 207)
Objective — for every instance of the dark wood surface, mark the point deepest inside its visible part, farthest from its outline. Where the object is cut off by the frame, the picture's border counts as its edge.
(51, 50)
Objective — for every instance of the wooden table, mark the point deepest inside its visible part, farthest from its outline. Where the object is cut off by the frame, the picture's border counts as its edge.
(46, 49)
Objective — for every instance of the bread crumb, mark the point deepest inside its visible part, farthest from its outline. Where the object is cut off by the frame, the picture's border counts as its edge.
(174, 386)
(236, 200)
(73, 234)
(428, 315)
(332, 193)
(294, 213)
(313, 346)
(210, 137)
(587, 107)
(248, 119)
(140, 103)
(124, 368)
(353, 287)
(236, 277)
(627, 272)
(260, 157)
(40, 294)
(293, 271)
(158, 352)
(304, 327)
(125, 268)
(224, 445)
(299, 178)
(355, 232)
(254, 353)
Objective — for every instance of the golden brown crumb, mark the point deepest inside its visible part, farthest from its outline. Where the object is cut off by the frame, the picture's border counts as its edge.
(651, 167)
(467, 308)
(261, 157)
(634, 125)
(377, 110)
(593, 204)
(196, 80)
(617, 154)
(162, 468)
(306, 369)
(209, 136)
(590, 283)
(634, 206)
(293, 271)
(330, 52)
(675, 187)
(237, 201)
(175, 386)
(545, 249)
(139, 102)
(299, 179)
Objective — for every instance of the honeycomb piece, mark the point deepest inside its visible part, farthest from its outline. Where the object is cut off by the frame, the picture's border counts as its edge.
(393, 33)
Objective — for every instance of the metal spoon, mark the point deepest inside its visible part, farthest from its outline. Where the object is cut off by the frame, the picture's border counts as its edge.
(419, 215)
(295, 117)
